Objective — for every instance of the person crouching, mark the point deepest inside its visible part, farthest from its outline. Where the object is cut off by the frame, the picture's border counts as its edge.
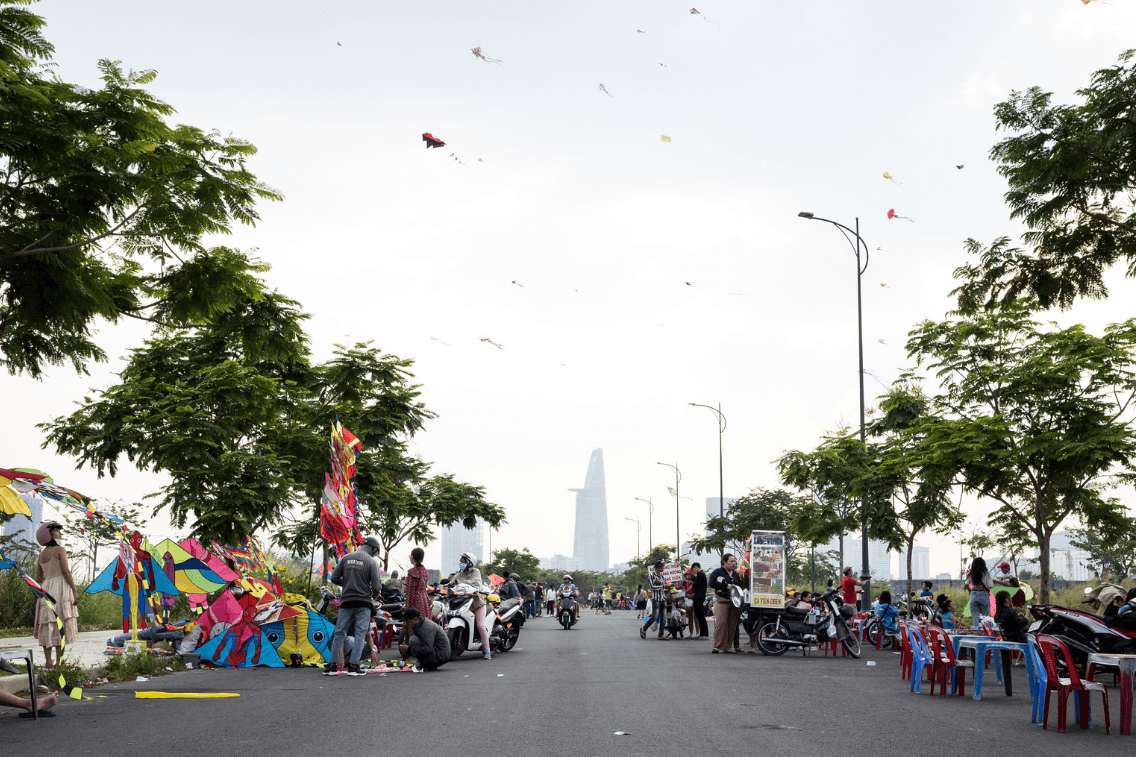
(425, 640)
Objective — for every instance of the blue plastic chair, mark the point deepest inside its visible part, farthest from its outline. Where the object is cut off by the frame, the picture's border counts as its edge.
(920, 656)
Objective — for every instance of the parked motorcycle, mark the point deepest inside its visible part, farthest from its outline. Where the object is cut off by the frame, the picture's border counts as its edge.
(461, 628)
(507, 626)
(1083, 632)
(567, 609)
(794, 627)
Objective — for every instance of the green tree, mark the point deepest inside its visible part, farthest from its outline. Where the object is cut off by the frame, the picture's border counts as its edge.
(104, 207)
(505, 561)
(637, 570)
(759, 510)
(1071, 171)
(1113, 551)
(1031, 419)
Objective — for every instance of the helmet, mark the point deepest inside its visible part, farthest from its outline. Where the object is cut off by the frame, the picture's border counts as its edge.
(514, 577)
(43, 533)
(374, 544)
(469, 558)
(567, 578)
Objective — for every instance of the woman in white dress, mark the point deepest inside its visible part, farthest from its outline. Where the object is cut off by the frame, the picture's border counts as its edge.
(54, 574)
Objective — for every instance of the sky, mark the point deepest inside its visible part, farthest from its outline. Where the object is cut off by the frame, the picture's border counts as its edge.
(772, 107)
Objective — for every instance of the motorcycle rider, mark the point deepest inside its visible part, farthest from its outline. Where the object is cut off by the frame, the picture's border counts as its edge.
(469, 574)
(509, 590)
(569, 587)
(358, 574)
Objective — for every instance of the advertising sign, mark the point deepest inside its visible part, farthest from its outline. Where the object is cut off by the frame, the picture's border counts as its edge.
(672, 572)
(767, 570)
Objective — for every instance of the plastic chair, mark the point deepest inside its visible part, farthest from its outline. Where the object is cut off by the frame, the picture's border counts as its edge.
(945, 663)
(1040, 679)
(921, 658)
(1064, 686)
(904, 651)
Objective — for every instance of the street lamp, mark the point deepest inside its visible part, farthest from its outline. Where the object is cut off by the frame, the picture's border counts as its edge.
(721, 489)
(865, 574)
(650, 520)
(638, 528)
(678, 531)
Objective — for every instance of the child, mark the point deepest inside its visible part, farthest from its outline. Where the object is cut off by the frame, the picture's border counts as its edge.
(886, 611)
(926, 593)
(805, 602)
(947, 609)
(1013, 625)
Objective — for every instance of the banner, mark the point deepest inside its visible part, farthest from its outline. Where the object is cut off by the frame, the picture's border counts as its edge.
(767, 574)
(672, 573)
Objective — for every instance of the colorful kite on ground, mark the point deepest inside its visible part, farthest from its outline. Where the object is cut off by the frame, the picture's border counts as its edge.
(233, 640)
(892, 214)
(477, 53)
(134, 577)
(308, 634)
(604, 90)
(493, 343)
(432, 141)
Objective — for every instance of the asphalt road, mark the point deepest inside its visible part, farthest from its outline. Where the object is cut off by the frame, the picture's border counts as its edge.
(562, 693)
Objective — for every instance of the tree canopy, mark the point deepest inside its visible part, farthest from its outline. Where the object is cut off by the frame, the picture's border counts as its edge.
(104, 207)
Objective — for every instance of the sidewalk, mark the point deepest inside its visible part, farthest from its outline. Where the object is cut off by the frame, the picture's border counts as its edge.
(86, 651)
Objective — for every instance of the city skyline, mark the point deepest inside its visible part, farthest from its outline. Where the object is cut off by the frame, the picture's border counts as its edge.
(590, 540)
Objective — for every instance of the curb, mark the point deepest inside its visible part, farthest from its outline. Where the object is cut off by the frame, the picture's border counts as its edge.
(14, 684)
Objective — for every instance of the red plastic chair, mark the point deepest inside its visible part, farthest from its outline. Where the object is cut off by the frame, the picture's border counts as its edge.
(947, 667)
(1063, 686)
(905, 656)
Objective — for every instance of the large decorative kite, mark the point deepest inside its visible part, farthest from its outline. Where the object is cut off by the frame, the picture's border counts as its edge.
(432, 141)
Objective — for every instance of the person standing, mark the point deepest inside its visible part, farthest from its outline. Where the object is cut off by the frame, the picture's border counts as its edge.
(54, 573)
(726, 615)
(538, 597)
(698, 581)
(426, 642)
(658, 601)
(417, 579)
(979, 583)
(550, 601)
(848, 586)
(607, 598)
(640, 603)
(527, 599)
(358, 575)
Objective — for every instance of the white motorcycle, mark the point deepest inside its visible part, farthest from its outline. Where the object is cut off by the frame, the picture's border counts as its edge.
(461, 628)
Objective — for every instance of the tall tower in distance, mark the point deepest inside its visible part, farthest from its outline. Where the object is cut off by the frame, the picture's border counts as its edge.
(590, 543)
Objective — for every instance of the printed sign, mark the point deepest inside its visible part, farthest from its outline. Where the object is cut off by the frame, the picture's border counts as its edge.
(672, 572)
(767, 570)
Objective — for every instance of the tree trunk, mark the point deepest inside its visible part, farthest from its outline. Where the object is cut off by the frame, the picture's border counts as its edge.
(842, 564)
(1043, 565)
(323, 564)
(910, 545)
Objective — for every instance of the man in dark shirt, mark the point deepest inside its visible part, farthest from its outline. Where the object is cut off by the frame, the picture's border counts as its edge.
(526, 599)
(538, 592)
(509, 590)
(699, 600)
(358, 574)
(426, 642)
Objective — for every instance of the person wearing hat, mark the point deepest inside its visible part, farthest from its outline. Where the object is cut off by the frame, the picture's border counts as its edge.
(358, 574)
(1006, 577)
(54, 574)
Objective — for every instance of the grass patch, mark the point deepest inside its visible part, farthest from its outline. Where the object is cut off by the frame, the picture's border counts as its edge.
(127, 667)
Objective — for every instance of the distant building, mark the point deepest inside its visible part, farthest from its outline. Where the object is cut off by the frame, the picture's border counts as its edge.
(713, 508)
(620, 567)
(1065, 560)
(456, 540)
(879, 558)
(942, 576)
(560, 562)
(590, 543)
(920, 564)
(23, 527)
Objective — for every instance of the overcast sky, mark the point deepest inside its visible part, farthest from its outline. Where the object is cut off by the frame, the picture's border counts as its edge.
(777, 107)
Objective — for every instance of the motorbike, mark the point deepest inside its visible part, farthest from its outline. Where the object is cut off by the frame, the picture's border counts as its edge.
(674, 616)
(799, 628)
(1082, 631)
(507, 625)
(461, 628)
(567, 609)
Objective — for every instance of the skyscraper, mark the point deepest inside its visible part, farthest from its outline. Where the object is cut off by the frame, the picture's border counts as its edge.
(590, 543)
(23, 527)
(920, 564)
(456, 540)
(713, 509)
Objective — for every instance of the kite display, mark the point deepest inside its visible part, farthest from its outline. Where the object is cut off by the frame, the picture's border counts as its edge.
(714, 291)
(195, 572)
(478, 54)
(665, 138)
(439, 341)
(604, 90)
(234, 641)
(10, 502)
(493, 343)
(432, 141)
(893, 214)
(308, 634)
(133, 577)
(338, 521)
(891, 178)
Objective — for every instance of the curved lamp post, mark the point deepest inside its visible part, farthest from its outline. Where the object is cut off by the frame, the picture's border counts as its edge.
(721, 488)
(638, 528)
(650, 519)
(678, 531)
(865, 574)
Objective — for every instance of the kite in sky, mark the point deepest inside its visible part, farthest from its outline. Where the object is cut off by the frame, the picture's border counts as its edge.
(339, 43)
(696, 12)
(522, 286)
(893, 214)
(479, 160)
(891, 178)
(604, 90)
(959, 167)
(640, 31)
(881, 341)
(477, 52)
(665, 138)
(885, 286)
(455, 157)
(493, 343)
(439, 341)
(664, 65)
(432, 141)
(734, 294)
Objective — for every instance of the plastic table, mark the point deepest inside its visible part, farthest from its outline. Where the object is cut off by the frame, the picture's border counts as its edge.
(983, 644)
(1127, 665)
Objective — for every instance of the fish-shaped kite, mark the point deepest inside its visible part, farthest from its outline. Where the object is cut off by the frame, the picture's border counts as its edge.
(893, 214)
(477, 53)
(432, 141)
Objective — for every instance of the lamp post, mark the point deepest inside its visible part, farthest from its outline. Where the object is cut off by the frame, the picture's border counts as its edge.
(865, 574)
(638, 528)
(678, 531)
(650, 520)
(721, 488)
